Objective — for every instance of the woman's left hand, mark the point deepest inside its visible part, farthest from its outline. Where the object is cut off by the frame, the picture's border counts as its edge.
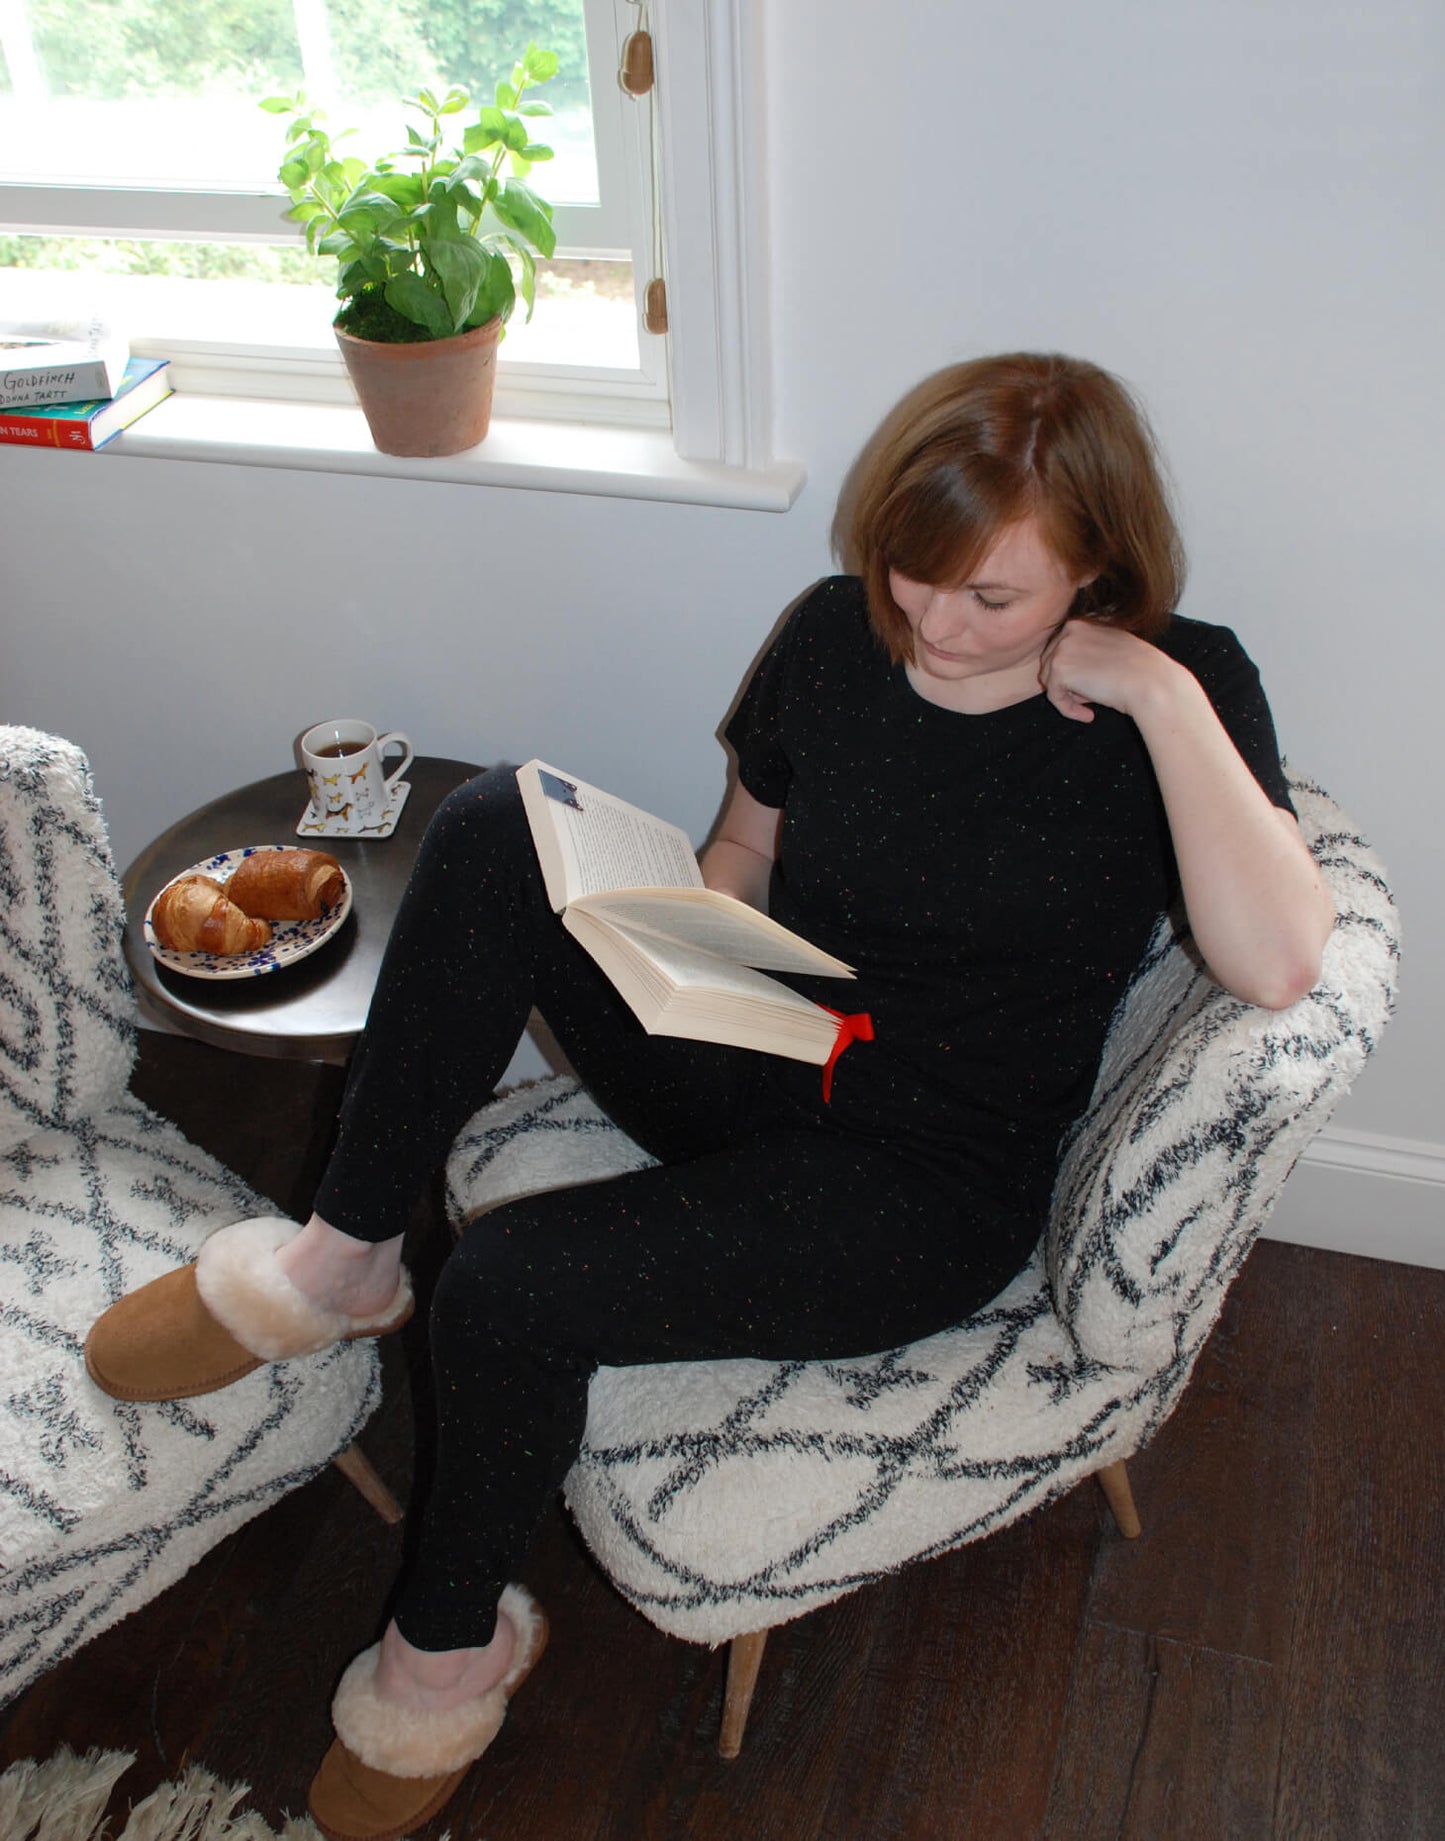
(1087, 663)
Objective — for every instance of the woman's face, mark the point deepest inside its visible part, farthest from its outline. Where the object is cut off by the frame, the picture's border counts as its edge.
(977, 644)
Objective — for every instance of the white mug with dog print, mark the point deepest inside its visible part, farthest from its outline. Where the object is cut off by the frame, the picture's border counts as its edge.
(351, 790)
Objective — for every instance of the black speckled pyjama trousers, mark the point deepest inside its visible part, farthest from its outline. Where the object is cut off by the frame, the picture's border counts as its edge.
(765, 1231)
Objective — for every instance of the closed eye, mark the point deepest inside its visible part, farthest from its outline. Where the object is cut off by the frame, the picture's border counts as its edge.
(994, 607)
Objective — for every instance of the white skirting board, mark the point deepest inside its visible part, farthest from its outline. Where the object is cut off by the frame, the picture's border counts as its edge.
(1362, 1192)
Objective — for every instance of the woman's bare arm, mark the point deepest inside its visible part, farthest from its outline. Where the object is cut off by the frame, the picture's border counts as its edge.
(1258, 907)
(739, 860)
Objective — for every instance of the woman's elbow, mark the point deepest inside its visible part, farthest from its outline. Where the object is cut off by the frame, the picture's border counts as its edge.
(1286, 986)
(1276, 980)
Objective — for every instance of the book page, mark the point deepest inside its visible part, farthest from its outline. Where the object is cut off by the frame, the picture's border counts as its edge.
(683, 965)
(714, 923)
(601, 842)
(677, 990)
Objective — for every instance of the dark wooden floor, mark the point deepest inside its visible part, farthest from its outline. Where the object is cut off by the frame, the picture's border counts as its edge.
(1268, 1660)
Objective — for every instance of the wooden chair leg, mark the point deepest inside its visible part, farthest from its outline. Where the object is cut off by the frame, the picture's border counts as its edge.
(745, 1655)
(1114, 1481)
(356, 1467)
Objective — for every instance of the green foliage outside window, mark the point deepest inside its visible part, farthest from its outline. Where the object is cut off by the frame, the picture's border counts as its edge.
(472, 39)
(151, 49)
(148, 48)
(162, 47)
(181, 261)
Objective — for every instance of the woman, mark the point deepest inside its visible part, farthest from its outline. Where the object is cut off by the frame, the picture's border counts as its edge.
(977, 769)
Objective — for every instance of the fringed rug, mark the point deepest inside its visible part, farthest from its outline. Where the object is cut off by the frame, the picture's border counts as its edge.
(65, 1798)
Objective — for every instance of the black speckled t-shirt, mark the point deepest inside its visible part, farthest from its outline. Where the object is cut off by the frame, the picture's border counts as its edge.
(993, 878)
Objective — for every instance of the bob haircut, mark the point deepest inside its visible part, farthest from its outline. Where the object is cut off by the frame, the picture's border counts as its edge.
(976, 448)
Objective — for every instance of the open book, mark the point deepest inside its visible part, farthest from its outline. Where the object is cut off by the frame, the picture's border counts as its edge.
(685, 957)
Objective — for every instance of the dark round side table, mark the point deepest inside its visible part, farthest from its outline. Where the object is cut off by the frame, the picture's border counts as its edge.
(315, 1009)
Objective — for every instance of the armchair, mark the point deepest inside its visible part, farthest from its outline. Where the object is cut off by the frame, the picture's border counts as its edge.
(102, 1504)
(724, 1498)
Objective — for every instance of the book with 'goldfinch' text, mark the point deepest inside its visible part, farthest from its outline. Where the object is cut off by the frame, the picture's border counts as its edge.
(90, 425)
(44, 362)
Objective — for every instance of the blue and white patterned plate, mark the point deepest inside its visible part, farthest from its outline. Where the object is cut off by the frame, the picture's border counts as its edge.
(290, 940)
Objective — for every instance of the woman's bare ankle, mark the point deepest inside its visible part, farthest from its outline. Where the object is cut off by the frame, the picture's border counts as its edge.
(442, 1678)
(358, 1277)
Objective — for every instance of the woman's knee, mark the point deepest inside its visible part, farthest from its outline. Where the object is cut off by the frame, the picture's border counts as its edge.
(492, 1281)
(477, 852)
(475, 815)
(525, 1274)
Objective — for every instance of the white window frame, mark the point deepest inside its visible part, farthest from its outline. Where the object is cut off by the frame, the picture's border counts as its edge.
(305, 365)
(198, 213)
(711, 203)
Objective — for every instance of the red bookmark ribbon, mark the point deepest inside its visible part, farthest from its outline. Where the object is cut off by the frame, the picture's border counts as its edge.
(851, 1029)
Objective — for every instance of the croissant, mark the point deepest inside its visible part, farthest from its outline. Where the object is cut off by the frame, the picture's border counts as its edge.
(286, 885)
(194, 914)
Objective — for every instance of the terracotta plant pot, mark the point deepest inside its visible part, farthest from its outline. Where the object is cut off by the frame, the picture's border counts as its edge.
(432, 398)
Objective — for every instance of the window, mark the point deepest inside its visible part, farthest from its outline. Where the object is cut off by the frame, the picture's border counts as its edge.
(135, 162)
(708, 165)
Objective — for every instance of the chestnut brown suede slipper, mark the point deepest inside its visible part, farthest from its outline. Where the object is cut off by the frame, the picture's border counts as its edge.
(206, 1325)
(390, 1768)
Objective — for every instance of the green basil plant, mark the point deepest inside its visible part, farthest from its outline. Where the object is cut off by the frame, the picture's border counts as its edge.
(431, 240)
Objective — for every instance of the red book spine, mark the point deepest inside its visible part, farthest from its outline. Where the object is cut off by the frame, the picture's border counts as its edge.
(44, 431)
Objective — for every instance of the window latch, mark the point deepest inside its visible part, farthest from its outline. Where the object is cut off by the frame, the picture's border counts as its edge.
(636, 74)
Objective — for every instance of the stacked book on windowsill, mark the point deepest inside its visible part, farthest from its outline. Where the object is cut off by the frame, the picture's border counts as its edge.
(73, 384)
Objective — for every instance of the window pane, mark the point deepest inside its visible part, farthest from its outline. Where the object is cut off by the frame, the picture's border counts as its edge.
(254, 295)
(190, 261)
(139, 120)
(165, 91)
(586, 315)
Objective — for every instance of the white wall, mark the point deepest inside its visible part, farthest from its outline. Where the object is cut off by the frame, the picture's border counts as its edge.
(1231, 202)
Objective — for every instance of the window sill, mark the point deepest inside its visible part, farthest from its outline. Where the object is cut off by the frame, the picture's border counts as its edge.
(539, 456)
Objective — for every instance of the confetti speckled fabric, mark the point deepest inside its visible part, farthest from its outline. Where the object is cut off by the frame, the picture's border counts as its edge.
(994, 879)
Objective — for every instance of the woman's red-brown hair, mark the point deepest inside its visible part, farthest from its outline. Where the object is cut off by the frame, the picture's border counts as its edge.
(977, 447)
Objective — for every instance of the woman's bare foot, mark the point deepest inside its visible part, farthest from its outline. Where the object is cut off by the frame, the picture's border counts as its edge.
(357, 1277)
(441, 1678)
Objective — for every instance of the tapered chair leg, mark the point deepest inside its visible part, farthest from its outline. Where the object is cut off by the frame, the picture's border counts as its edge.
(356, 1467)
(1114, 1481)
(745, 1655)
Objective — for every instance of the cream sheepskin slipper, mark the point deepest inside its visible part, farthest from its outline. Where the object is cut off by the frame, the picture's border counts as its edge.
(206, 1325)
(249, 1295)
(392, 1768)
